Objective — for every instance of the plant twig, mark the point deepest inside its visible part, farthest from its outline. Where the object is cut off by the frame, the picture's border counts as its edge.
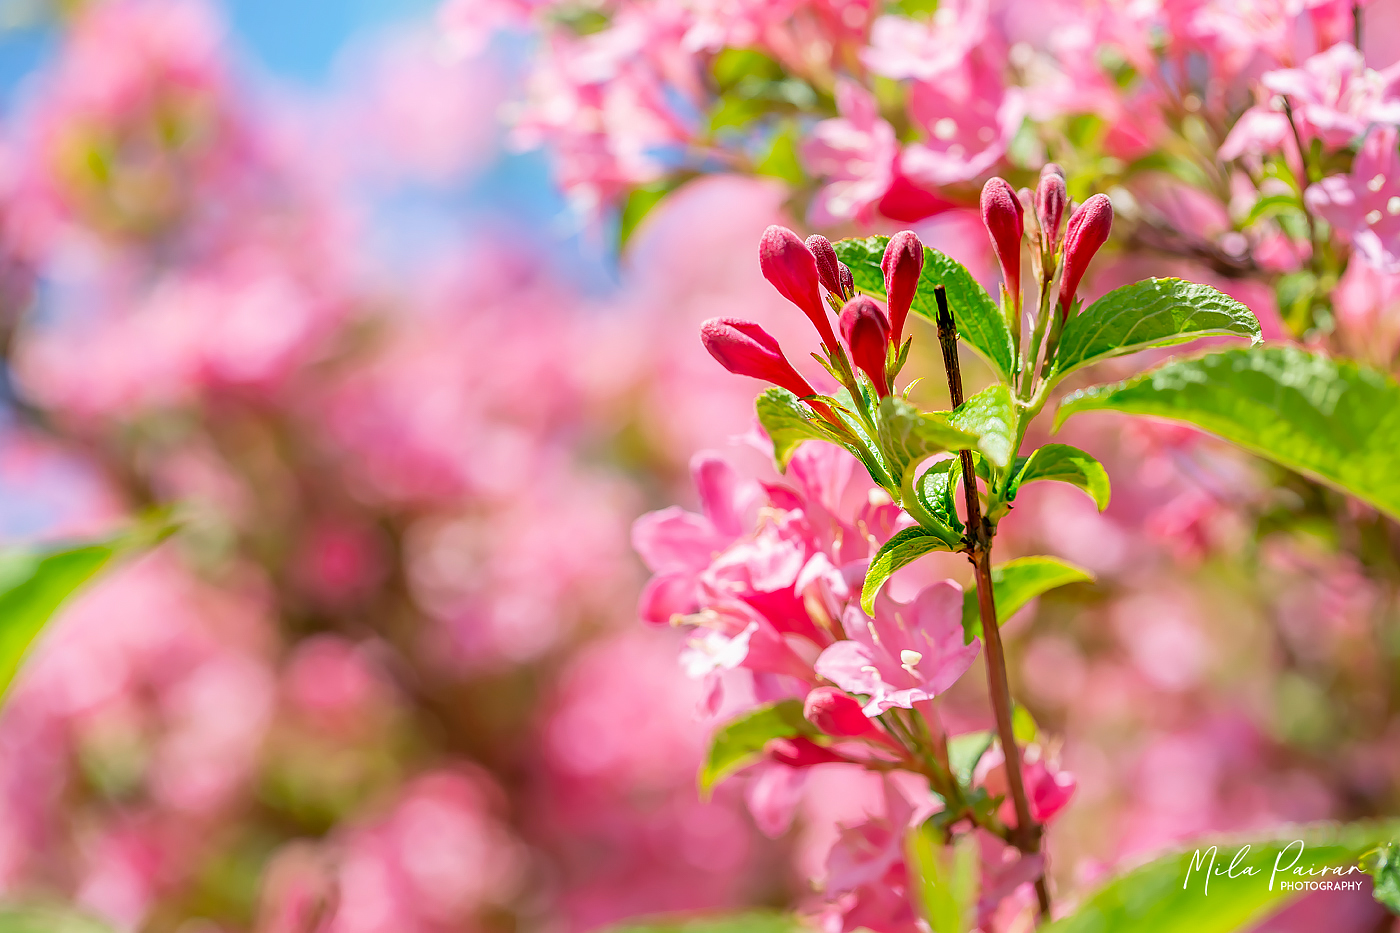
(978, 546)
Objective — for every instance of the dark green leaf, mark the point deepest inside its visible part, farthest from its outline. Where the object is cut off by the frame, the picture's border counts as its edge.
(741, 741)
(1065, 464)
(908, 436)
(1151, 313)
(903, 548)
(1160, 897)
(1329, 419)
(936, 489)
(754, 922)
(1383, 865)
(980, 322)
(1016, 583)
(990, 416)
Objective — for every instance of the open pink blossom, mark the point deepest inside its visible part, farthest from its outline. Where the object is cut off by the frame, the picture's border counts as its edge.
(855, 153)
(969, 117)
(907, 653)
(1335, 97)
(1365, 205)
(903, 48)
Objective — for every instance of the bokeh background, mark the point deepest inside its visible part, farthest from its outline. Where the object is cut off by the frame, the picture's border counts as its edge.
(287, 270)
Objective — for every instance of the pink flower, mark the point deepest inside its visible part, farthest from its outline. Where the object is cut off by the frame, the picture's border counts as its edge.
(969, 117)
(1003, 218)
(903, 48)
(1048, 788)
(1365, 205)
(1086, 232)
(745, 349)
(907, 653)
(867, 334)
(854, 153)
(902, 265)
(1335, 97)
(791, 268)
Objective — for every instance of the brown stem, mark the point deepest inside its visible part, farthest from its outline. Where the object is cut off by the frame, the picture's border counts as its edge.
(978, 546)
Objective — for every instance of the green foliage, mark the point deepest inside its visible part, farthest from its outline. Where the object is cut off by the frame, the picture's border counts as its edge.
(639, 204)
(33, 584)
(1329, 419)
(1150, 313)
(935, 492)
(980, 322)
(1383, 865)
(739, 742)
(1016, 583)
(41, 919)
(908, 436)
(789, 422)
(755, 922)
(944, 878)
(903, 548)
(1064, 464)
(1159, 898)
(989, 415)
(964, 751)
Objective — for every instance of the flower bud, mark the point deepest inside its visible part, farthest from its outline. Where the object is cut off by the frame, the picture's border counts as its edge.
(1050, 201)
(837, 714)
(801, 752)
(828, 266)
(867, 334)
(848, 283)
(745, 349)
(902, 265)
(1086, 232)
(1001, 214)
(792, 269)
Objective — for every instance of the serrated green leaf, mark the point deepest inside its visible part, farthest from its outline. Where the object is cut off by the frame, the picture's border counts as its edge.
(1151, 313)
(1383, 865)
(990, 416)
(789, 422)
(903, 548)
(1062, 463)
(22, 918)
(945, 878)
(936, 489)
(741, 741)
(750, 922)
(980, 322)
(1329, 419)
(964, 751)
(909, 436)
(1016, 583)
(1160, 897)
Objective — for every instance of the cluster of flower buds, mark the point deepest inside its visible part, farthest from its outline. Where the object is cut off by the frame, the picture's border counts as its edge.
(1010, 216)
(870, 335)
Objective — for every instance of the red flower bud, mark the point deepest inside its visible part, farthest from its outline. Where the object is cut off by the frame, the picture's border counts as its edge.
(848, 283)
(902, 264)
(745, 349)
(1086, 232)
(867, 334)
(1001, 214)
(828, 266)
(1050, 201)
(792, 269)
(801, 752)
(837, 714)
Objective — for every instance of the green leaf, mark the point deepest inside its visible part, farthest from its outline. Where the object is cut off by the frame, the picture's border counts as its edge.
(1383, 865)
(964, 751)
(1161, 897)
(1329, 419)
(990, 416)
(639, 203)
(1016, 583)
(740, 742)
(1151, 313)
(903, 548)
(23, 918)
(908, 436)
(937, 486)
(752, 922)
(1023, 725)
(1065, 464)
(33, 584)
(980, 322)
(789, 422)
(945, 878)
